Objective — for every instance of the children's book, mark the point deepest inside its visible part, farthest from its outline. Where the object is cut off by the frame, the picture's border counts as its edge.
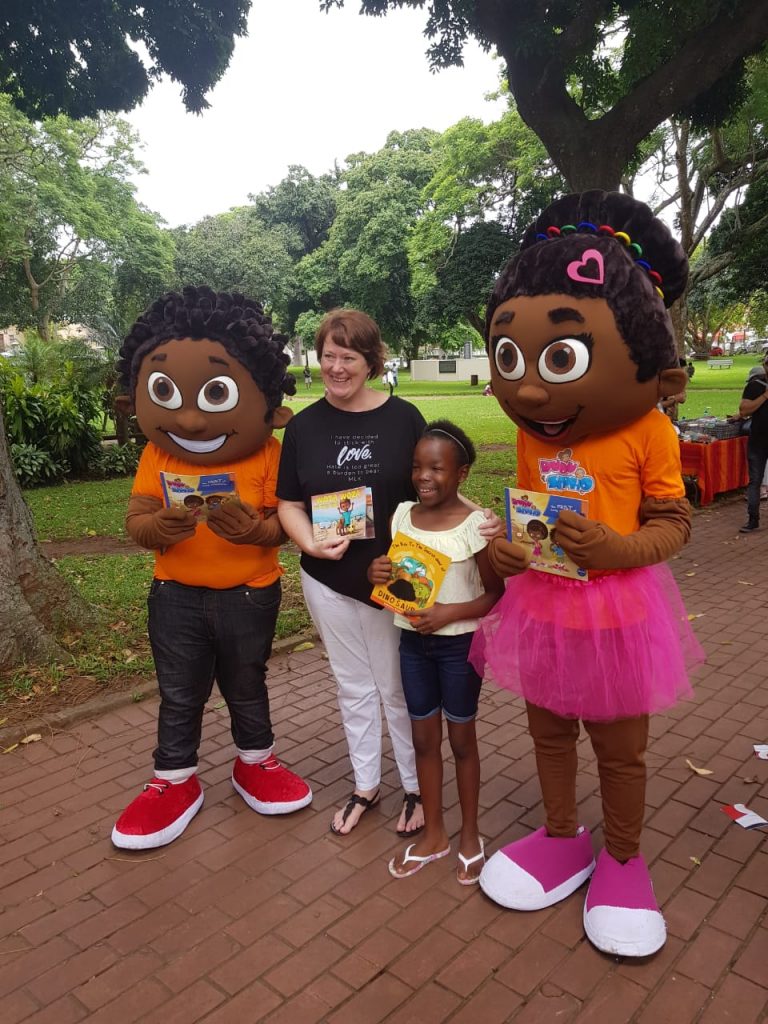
(198, 494)
(531, 517)
(347, 513)
(417, 573)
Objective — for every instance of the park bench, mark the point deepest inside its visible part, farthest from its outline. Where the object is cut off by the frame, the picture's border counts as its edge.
(719, 364)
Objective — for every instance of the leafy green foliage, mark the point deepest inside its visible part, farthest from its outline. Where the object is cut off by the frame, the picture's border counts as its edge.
(116, 460)
(35, 467)
(79, 59)
(70, 220)
(53, 418)
(594, 80)
(364, 261)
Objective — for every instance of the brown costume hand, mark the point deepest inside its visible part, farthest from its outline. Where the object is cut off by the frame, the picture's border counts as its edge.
(665, 527)
(152, 525)
(238, 523)
(508, 558)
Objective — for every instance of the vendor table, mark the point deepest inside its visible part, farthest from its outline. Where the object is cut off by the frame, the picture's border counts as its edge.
(718, 466)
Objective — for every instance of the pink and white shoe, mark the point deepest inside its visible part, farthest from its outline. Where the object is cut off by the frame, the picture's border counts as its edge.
(621, 915)
(158, 815)
(269, 787)
(538, 871)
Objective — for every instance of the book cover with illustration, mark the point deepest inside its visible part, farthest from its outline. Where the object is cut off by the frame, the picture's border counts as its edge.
(531, 517)
(417, 572)
(346, 513)
(198, 494)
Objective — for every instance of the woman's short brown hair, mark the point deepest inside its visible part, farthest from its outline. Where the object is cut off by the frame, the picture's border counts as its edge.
(349, 328)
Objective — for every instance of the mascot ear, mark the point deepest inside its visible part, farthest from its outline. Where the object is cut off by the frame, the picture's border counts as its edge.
(672, 382)
(282, 414)
(124, 405)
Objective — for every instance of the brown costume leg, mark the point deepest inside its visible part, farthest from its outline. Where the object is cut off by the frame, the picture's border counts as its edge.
(620, 751)
(554, 741)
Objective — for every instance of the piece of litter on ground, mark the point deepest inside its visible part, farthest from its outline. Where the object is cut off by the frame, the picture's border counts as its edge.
(745, 817)
(749, 779)
(32, 738)
(696, 861)
(9, 749)
(306, 646)
(761, 751)
(220, 704)
(746, 583)
(690, 574)
(699, 771)
(695, 615)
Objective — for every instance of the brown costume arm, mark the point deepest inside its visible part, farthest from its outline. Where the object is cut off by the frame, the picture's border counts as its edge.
(665, 526)
(154, 526)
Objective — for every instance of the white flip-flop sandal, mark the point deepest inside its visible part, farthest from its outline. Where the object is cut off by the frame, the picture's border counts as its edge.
(420, 862)
(467, 862)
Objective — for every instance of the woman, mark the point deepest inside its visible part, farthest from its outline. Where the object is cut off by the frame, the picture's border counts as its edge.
(355, 436)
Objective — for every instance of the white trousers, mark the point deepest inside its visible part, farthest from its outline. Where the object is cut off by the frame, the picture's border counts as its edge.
(362, 644)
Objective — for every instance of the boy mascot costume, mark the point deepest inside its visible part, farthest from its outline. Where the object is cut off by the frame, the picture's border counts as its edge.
(581, 350)
(206, 377)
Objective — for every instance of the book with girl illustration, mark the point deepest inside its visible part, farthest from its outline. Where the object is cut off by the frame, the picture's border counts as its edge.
(346, 513)
(531, 518)
(416, 576)
(198, 494)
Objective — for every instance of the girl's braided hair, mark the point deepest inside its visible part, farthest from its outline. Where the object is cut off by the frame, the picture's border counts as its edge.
(236, 322)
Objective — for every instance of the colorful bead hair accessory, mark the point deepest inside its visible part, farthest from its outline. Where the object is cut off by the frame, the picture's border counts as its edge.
(588, 227)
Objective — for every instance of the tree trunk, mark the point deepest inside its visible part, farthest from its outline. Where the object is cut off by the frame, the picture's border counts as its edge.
(36, 603)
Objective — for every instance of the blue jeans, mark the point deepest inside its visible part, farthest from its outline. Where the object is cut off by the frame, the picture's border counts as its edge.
(198, 635)
(757, 456)
(437, 676)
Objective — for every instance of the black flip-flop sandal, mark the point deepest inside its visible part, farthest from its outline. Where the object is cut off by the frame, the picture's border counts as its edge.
(409, 803)
(367, 803)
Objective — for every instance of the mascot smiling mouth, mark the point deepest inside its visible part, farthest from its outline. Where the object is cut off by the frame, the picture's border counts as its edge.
(549, 429)
(198, 447)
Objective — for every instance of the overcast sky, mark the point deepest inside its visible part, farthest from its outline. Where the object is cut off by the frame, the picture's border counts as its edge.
(302, 88)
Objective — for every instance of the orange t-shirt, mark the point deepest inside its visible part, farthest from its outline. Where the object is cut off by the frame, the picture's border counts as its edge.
(612, 472)
(206, 560)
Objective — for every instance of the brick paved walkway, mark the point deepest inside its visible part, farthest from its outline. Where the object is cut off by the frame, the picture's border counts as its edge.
(246, 919)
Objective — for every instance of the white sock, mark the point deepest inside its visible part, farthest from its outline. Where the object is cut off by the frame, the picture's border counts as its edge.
(176, 775)
(254, 756)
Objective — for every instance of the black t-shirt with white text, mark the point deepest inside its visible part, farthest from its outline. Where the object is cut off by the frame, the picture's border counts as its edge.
(328, 449)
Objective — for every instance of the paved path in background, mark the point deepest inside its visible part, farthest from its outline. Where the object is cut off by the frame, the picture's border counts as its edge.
(247, 919)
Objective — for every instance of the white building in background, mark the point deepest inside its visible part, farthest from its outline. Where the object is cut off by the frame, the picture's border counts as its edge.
(10, 339)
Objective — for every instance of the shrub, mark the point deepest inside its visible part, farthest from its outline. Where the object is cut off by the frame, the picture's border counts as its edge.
(35, 467)
(116, 460)
(57, 418)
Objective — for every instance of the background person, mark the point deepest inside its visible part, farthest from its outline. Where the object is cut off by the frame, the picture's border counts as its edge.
(754, 403)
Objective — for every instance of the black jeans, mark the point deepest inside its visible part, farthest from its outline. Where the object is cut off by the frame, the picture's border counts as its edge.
(757, 456)
(198, 635)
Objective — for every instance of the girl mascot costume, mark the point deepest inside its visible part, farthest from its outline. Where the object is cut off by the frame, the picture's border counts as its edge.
(581, 349)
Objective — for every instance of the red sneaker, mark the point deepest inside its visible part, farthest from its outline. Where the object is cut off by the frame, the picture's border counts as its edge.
(158, 815)
(269, 788)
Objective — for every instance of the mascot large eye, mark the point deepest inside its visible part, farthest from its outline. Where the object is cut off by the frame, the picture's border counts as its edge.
(509, 360)
(218, 395)
(564, 360)
(163, 391)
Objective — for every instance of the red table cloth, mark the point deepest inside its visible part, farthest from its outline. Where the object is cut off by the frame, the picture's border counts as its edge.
(719, 466)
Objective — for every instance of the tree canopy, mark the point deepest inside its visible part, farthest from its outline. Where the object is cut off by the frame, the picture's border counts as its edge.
(81, 59)
(593, 78)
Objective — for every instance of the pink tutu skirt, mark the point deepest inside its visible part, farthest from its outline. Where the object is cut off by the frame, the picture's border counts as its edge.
(612, 647)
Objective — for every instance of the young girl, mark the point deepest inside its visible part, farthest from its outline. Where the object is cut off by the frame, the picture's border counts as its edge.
(582, 349)
(434, 645)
